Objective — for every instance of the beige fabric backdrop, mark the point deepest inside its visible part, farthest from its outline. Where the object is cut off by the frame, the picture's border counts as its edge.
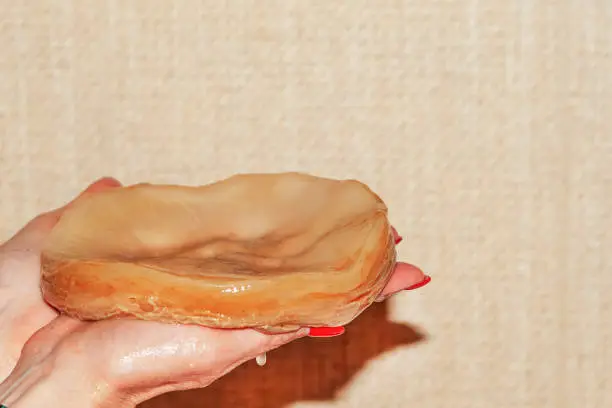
(485, 125)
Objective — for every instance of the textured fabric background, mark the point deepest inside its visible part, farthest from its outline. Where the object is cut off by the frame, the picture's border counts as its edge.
(485, 125)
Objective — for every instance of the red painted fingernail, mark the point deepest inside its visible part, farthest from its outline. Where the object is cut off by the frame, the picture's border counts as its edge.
(325, 331)
(396, 235)
(420, 284)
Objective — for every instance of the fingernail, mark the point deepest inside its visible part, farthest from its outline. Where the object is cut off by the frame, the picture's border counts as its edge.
(396, 235)
(109, 181)
(106, 182)
(325, 331)
(420, 284)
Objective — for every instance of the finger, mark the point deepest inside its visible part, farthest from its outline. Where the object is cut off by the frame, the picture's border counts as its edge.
(227, 349)
(404, 277)
(31, 237)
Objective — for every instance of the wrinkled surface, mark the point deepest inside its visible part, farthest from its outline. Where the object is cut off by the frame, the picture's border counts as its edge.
(268, 251)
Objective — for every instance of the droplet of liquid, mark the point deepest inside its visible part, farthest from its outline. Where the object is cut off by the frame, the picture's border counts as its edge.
(261, 359)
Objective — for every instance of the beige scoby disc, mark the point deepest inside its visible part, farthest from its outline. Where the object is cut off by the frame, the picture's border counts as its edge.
(272, 252)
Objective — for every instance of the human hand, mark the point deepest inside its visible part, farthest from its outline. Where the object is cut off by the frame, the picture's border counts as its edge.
(114, 362)
(22, 308)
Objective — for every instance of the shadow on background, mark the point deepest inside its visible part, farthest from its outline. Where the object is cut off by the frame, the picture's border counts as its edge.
(305, 370)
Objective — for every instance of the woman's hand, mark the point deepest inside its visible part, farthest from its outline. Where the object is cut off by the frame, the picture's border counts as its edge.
(22, 309)
(117, 363)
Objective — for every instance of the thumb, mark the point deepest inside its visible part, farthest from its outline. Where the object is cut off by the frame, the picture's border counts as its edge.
(166, 357)
(32, 236)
